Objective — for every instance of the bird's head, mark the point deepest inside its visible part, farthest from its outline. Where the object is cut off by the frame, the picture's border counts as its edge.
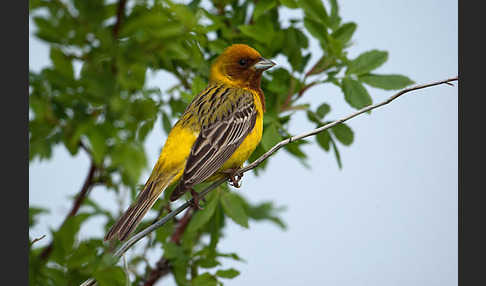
(240, 65)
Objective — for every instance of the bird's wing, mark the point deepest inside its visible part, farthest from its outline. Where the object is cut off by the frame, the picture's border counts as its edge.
(223, 129)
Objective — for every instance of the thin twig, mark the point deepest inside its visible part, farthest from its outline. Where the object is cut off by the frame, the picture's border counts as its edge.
(37, 239)
(122, 249)
(334, 123)
(87, 185)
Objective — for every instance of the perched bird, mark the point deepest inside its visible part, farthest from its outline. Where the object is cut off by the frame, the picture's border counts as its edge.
(215, 135)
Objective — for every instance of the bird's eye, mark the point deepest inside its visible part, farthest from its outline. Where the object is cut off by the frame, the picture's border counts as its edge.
(242, 62)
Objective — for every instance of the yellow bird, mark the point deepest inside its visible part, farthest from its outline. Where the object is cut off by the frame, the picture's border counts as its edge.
(215, 135)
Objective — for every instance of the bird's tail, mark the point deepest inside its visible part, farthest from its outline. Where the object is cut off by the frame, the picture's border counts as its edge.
(134, 214)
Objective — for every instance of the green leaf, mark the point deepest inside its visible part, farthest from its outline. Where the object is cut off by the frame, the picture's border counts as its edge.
(280, 82)
(367, 62)
(201, 217)
(145, 128)
(262, 6)
(336, 153)
(294, 148)
(62, 63)
(334, 18)
(254, 33)
(72, 134)
(228, 273)
(173, 251)
(110, 276)
(355, 93)
(234, 209)
(98, 144)
(177, 106)
(270, 136)
(386, 81)
(265, 211)
(315, 9)
(130, 158)
(184, 15)
(208, 263)
(162, 233)
(323, 110)
(215, 227)
(33, 213)
(292, 4)
(205, 279)
(217, 46)
(47, 31)
(316, 29)
(166, 123)
(64, 238)
(132, 76)
(345, 32)
(323, 139)
(233, 256)
(293, 42)
(85, 253)
(324, 63)
(140, 22)
(198, 84)
(343, 133)
(262, 30)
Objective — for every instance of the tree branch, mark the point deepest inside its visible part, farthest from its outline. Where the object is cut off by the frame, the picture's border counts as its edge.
(334, 123)
(123, 248)
(120, 11)
(88, 183)
(162, 267)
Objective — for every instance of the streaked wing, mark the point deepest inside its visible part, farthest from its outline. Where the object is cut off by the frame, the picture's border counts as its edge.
(219, 138)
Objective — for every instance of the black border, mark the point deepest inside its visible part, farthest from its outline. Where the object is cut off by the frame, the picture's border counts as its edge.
(472, 143)
(15, 159)
(460, 157)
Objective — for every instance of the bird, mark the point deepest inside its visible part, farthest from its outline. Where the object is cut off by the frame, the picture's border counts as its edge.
(218, 131)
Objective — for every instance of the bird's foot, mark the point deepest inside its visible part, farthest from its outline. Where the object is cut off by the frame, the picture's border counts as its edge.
(234, 177)
(195, 200)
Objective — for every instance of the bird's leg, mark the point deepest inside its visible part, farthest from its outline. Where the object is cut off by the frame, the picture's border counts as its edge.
(195, 199)
(234, 177)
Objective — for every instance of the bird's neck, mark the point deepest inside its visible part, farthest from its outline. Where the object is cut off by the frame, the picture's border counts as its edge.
(251, 82)
(253, 86)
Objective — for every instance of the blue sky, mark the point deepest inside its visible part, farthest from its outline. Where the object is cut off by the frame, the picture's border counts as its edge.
(389, 217)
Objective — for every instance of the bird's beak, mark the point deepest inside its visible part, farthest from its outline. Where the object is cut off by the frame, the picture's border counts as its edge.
(263, 64)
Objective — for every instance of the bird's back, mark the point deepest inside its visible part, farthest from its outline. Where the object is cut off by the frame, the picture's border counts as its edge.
(216, 102)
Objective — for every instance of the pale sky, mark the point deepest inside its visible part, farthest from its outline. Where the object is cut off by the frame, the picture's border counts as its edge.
(389, 217)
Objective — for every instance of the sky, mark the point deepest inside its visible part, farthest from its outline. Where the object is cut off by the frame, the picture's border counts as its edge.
(388, 217)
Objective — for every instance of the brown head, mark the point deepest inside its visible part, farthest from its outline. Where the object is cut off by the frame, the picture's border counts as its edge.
(240, 65)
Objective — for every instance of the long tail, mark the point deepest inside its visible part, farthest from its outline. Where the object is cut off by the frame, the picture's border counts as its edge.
(134, 214)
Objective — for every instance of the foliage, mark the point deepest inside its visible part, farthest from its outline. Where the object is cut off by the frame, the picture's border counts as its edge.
(93, 97)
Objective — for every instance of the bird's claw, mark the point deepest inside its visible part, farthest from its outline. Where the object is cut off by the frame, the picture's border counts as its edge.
(195, 200)
(234, 177)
